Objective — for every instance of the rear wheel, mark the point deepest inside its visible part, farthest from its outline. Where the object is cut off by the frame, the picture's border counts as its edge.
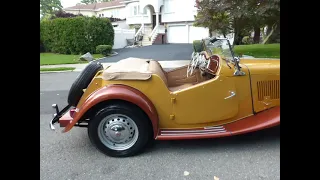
(119, 130)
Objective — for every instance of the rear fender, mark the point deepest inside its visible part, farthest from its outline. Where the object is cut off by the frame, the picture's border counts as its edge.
(119, 92)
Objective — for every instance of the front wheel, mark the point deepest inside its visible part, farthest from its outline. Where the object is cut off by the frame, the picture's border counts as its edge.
(119, 130)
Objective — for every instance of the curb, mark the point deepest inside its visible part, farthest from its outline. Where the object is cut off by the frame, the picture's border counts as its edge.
(114, 54)
(47, 72)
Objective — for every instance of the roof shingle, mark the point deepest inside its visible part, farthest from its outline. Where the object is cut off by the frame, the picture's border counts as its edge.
(96, 6)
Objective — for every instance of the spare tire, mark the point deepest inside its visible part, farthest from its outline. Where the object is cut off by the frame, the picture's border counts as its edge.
(82, 82)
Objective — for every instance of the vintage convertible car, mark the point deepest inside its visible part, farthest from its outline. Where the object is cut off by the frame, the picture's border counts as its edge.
(134, 101)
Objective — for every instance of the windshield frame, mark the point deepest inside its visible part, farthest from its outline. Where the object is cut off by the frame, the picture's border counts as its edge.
(234, 60)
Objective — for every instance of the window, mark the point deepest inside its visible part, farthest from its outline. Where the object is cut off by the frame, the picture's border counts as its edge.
(135, 10)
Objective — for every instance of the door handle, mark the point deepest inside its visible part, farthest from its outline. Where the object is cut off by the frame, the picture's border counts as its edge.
(232, 94)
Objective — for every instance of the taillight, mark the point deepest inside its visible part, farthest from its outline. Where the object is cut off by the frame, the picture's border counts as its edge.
(72, 111)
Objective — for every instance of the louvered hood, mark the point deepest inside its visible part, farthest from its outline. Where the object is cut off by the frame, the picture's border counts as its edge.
(265, 82)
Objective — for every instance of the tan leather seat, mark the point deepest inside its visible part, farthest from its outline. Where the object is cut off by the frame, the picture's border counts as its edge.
(155, 68)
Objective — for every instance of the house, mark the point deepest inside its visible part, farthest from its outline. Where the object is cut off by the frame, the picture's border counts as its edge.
(169, 21)
(114, 9)
(158, 21)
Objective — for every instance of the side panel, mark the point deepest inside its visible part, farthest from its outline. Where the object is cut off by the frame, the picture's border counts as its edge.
(214, 100)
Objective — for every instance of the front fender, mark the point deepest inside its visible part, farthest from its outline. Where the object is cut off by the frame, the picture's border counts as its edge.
(120, 92)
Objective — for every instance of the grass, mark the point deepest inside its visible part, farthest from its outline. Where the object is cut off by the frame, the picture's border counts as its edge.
(53, 59)
(57, 69)
(259, 50)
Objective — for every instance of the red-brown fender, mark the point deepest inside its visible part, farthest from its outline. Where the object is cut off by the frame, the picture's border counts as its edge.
(120, 92)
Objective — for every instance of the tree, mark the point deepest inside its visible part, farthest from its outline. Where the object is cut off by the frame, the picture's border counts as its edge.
(49, 7)
(211, 14)
(239, 17)
(93, 1)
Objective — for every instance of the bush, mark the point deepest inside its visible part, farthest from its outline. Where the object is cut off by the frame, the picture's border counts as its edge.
(198, 46)
(104, 49)
(77, 35)
(247, 40)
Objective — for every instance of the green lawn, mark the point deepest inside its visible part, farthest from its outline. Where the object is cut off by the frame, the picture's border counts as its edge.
(52, 59)
(259, 50)
(58, 69)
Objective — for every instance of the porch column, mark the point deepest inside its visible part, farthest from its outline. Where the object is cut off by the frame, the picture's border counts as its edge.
(157, 18)
(142, 23)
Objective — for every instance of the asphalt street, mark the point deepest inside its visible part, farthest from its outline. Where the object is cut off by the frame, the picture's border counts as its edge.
(70, 156)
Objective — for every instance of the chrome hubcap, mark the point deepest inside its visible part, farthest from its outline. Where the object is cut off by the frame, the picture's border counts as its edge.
(118, 132)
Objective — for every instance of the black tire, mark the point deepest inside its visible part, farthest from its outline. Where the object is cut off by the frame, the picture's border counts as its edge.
(82, 82)
(129, 110)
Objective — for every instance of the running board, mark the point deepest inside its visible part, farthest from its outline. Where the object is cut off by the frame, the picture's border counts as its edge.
(263, 120)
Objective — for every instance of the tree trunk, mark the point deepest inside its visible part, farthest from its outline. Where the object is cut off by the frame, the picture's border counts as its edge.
(269, 28)
(269, 33)
(256, 37)
(210, 32)
(236, 33)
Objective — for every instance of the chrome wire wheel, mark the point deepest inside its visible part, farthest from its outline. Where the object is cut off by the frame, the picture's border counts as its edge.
(118, 132)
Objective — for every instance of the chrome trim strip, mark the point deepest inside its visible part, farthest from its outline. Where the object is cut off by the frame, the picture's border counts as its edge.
(184, 134)
(213, 127)
(193, 131)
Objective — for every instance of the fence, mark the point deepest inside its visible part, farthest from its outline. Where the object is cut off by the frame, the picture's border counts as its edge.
(121, 36)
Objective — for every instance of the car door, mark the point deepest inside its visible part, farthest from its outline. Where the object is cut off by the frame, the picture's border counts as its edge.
(210, 101)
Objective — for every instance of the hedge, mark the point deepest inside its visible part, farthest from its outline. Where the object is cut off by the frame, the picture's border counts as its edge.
(76, 35)
(104, 49)
(198, 46)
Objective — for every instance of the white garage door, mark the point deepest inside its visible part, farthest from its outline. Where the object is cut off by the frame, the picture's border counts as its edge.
(197, 33)
(177, 34)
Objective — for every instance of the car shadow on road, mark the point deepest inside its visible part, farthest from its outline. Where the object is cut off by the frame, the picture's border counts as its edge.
(268, 138)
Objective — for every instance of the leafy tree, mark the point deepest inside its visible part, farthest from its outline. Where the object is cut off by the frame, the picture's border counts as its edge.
(211, 14)
(48, 7)
(239, 16)
(63, 14)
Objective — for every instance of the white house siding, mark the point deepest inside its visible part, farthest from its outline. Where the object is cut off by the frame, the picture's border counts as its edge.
(197, 33)
(133, 16)
(114, 12)
(177, 33)
(185, 33)
(121, 36)
(178, 10)
(121, 24)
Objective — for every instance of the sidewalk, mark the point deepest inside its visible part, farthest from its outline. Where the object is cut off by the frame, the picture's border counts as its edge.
(164, 64)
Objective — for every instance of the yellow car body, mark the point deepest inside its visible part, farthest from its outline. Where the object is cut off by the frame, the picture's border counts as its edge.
(204, 104)
(178, 106)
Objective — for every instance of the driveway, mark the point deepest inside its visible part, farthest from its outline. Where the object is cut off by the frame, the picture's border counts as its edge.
(157, 52)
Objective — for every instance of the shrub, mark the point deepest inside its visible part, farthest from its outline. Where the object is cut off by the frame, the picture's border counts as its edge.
(247, 40)
(198, 46)
(77, 35)
(104, 49)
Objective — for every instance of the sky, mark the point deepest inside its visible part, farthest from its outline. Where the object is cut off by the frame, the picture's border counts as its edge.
(69, 3)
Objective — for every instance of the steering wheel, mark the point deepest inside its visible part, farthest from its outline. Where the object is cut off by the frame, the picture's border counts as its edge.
(193, 63)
